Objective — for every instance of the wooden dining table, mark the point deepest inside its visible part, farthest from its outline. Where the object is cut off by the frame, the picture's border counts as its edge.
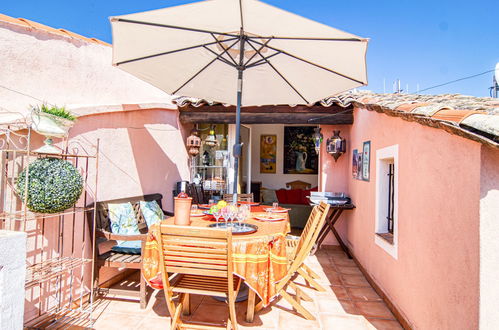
(259, 258)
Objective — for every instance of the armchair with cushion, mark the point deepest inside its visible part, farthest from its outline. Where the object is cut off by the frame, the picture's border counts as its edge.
(294, 198)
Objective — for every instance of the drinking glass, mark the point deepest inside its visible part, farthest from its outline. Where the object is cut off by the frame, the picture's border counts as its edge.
(194, 209)
(217, 215)
(275, 206)
(232, 212)
(240, 215)
(211, 202)
(225, 213)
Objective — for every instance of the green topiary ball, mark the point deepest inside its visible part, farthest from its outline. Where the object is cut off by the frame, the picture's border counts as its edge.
(54, 185)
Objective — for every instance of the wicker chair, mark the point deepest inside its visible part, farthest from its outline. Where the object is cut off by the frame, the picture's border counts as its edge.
(116, 259)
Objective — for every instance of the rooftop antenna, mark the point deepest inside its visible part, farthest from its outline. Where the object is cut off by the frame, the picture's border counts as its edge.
(494, 90)
(396, 87)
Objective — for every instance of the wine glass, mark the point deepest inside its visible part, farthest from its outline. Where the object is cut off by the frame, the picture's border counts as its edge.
(216, 213)
(194, 209)
(241, 214)
(232, 212)
(225, 213)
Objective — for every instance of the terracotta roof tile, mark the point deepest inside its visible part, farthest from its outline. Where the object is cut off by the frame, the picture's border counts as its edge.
(456, 116)
(476, 118)
(38, 26)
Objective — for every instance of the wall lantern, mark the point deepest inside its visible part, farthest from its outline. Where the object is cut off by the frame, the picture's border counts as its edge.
(211, 139)
(193, 143)
(318, 137)
(336, 145)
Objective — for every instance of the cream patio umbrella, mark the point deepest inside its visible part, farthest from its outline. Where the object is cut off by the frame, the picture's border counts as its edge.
(238, 52)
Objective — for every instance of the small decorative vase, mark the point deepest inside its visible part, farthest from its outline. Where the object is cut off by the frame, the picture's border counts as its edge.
(183, 211)
(50, 126)
(301, 158)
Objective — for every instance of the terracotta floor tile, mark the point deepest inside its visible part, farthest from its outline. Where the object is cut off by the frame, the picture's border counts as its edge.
(373, 309)
(340, 261)
(117, 321)
(340, 292)
(363, 294)
(335, 306)
(331, 279)
(283, 305)
(212, 313)
(126, 307)
(331, 321)
(154, 323)
(348, 270)
(291, 321)
(354, 280)
(349, 302)
(379, 324)
(266, 318)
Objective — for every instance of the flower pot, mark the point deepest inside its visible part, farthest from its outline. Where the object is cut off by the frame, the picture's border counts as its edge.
(183, 211)
(50, 126)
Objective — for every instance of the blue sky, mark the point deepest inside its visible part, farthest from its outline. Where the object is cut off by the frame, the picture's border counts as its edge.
(419, 42)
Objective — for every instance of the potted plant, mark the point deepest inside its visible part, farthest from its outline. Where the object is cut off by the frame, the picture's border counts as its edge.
(51, 121)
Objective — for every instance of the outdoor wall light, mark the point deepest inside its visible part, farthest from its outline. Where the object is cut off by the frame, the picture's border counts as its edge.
(318, 137)
(336, 145)
(211, 139)
(193, 143)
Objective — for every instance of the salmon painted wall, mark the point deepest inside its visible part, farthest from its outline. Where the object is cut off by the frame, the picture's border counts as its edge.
(434, 281)
(141, 152)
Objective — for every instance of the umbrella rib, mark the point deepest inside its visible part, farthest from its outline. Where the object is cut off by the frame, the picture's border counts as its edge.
(261, 61)
(172, 26)
(311, 63)
(280, 74)
(260, 49)
(204, 67)
(223, 59)
(169, 52)
(222, 46)
(311, 39)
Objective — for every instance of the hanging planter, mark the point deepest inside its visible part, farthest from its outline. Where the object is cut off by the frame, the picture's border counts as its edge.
(51, 122)
(54, 185)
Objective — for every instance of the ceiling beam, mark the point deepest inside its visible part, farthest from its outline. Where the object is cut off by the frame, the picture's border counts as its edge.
(227, 117)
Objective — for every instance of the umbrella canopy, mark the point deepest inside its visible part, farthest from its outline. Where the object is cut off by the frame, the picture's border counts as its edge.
(212, 49)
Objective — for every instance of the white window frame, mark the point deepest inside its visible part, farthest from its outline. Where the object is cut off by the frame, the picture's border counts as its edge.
(391, 152)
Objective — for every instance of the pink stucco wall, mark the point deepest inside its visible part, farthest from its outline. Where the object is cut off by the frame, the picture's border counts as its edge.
(434, 281)
(141, 152)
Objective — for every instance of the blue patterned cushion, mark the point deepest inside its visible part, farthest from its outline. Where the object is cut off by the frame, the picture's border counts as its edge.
(123, 222)
(152, 212)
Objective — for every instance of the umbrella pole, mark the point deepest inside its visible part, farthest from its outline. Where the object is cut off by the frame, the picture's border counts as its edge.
(237, 146)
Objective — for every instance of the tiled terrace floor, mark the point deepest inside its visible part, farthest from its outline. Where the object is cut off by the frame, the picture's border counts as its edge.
(348, 303)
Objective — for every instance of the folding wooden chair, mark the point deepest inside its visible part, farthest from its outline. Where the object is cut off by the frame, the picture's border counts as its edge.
(201, 261)
(293, 246)
(303, 246)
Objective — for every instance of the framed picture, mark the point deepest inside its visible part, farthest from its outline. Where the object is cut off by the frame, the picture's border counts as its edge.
(268, 151)
(366, 157)
(299, 150)
(354, 164)
(359, 165)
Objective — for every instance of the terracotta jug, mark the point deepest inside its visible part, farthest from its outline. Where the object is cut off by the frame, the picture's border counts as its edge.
(183, 210)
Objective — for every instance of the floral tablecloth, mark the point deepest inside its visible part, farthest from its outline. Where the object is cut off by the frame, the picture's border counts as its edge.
(260, 258)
